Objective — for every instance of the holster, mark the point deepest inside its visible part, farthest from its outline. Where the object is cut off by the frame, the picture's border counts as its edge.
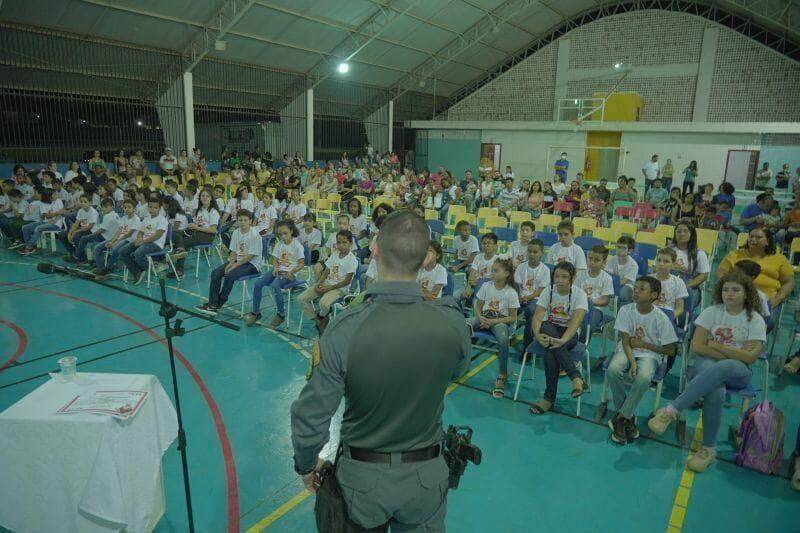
(330, 508)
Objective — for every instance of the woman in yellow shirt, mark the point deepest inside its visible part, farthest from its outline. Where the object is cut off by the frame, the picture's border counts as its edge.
(777, 276)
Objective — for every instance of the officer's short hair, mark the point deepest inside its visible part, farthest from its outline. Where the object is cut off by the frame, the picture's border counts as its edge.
(403, 242)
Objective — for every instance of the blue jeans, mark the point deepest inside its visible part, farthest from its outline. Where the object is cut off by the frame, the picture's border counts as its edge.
(528, 310)
(135, 257)
(277, 284)
(626, 401)
(33, 231)
(222, 283)
(79, 252)
(502, 333)
(113, 255)
(708, 380)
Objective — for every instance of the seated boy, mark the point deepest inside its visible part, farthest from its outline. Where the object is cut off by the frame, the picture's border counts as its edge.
(128, 225)
(243, 260)
(519, 248)
(673, 289)
(466, 246)
(333, 283)
(150, 239)
(102, 231)
(531, 277)
(85, 219)
(566, 249)
(625, 267)
(597, 284)
(480, 269)
(646, 336)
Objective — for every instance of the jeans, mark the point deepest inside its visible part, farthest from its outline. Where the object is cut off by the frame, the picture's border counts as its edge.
(187, 240)
(502, 333)
(70, 246)
(222, 283)
(33, 231)
(79, 251)
(688, 186)
(708, 380)
(528, 310)
(277, 284)
(326, 301)
(135, 257)
(618, 376)
(100, 259)
(557, 358)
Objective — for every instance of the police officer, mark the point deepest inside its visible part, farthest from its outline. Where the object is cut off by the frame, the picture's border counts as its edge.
(392, 357)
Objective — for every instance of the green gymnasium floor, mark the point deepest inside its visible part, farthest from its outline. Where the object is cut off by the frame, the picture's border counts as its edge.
(556, 472)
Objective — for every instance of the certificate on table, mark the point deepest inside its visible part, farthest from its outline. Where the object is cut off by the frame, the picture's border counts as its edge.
(122, 404)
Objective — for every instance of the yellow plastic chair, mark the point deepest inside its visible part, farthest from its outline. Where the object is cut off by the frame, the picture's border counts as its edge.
(485, 212)
(496, 222)
(431, 214)
(583, 224)
(667, 230)
(625, 227)
(649, 237)
(156, 179)
(741, 239)
(323, 204)
(547, 220)
(388, 200)
(707, 245)
(607, 235)
(453, 214)
(515, 218)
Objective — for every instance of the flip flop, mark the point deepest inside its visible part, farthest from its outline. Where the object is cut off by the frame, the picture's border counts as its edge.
(499, 390)
(578, 392)
(538, 409)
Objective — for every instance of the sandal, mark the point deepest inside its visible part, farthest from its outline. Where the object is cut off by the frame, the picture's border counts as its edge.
(499, 387)
(541, 407)
(792, 366)
(576, 392)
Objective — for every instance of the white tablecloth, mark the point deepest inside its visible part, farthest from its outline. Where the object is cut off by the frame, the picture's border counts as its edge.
(84, 472)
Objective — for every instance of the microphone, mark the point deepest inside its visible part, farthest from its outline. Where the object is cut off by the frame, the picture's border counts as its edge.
(50, 268)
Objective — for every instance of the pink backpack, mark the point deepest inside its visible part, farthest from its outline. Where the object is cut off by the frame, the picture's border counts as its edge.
(762, 432)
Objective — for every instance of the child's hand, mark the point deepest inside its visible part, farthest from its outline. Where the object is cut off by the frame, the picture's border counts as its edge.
(556, 342)
(485, 323)
(633, 369)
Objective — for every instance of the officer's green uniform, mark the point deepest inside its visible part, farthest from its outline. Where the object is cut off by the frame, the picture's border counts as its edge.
(392, 358)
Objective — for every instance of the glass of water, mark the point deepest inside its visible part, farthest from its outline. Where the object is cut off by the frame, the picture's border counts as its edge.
(68, 367)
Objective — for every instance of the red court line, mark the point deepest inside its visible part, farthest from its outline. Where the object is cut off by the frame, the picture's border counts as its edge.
(219, 424)
(22, 343)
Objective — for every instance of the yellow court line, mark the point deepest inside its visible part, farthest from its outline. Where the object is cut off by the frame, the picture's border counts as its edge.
(298, 498)
(684, 490)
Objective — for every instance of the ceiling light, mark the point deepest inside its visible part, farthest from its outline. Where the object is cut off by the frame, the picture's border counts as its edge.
(617, 65)
(139, 123)
(343, 68)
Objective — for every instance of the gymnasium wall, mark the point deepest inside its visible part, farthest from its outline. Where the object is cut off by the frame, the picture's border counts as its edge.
(676, 60)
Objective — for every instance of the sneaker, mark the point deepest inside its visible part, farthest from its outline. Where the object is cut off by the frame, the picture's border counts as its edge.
(27, 251)
(138, 278)
(660, 421)
(251, 319)
(16, 244)
(207, 309)
(617, 425)
(158, 268)
(701, 460)
(632, 428)
(180, 254)
(277, 321)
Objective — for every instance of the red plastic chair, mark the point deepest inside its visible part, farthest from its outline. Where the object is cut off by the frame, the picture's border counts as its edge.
(624, 211)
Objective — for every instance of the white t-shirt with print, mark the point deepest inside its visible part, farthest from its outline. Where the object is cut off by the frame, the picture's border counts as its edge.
(265, 218)
(247, 244)
(296, 211)
(29, 210)
(357, 225)
(339, 267)
(682, 261)
(731, 330)
(654, 327)
(287, 256)
(428, 279)
(595, 287)
(206, 218)
(108, 227)
(560, 307)
(628, 271)
(312, 238)
(530, 279)
(483, 266)
(127, 224)
(497, 300)
(464, 249)
(372, 270)
(672, 288)
(142, 210)
(53, 207)
(571, 254)
(518, 251)
(235, 204)
(151, 225)
(86, 217)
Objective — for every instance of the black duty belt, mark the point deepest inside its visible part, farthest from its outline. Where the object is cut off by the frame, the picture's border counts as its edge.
(415, 456)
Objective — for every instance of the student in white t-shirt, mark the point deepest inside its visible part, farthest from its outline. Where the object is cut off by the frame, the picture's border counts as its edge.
(625, 267)
(673, 289)
(692, 264)
(266, 215)
(342, 223)
(597, 284)
(728, 338)
(333, 283)
(559, 314)
(752, 270)
(150, 238)
(480, 269)
(646, 336)
(51, 212)
(519, 248)
(288, 259)
(296, 209)
(311, 237)
(128, 225)
(100, 232)
(241, 200)
(201, 230)
(85, 220)
(244, 260)
(496, 308)
(466, 246)
(531, 277)
(432, 276)
(566, 249)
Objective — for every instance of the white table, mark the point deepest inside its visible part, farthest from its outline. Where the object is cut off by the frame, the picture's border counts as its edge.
(84, 472)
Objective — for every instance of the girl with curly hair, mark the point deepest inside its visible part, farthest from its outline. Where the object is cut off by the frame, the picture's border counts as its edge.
(728, 339)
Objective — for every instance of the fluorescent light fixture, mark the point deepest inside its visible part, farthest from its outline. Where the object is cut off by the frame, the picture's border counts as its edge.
(343, 68)
(617, 66)
(139, 123)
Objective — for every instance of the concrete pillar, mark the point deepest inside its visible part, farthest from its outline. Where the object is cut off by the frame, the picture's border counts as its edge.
(705, 74)
(391, 125)
(310, 125)
(188, 110)
(562, 74)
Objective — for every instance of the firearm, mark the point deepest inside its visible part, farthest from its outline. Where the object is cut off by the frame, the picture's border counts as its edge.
(458, 450)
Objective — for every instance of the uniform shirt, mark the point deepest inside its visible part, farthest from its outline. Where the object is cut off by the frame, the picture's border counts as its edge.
(429, 279)
(178, 198)
(357, 225)
(653, 327)
(464, 249)
(672, 288)
(206, 218)
(247, 244)
(571, 254)
(86, 217)
(29, 210)
(108, 227)
(339, 267)
(560, 307)
(234, 204)
(296, 211)
(151, 225)
(519, 252)
(287, 256)
(53, 207)
(182, 221)
(5, 203)
(497, 300)
(265, 218)
(731, 330)
(628, 271)
(127, 224)
(530, 279)
(701, 266)
(596, 287)
(26, 190)
(312, 238)
(483, 266)
(142, 210)
(220, 203)
(331, 244)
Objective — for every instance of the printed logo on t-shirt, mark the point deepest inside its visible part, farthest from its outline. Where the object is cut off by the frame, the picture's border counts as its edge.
(334, 275)
(558, 313)
(529, 284)
(724, 335)
(680, 264)
(639, 332)
(483, 271)
(520, 258)
(462, 253)
(563, 258)
(662, 298)
(588, 289)
(426, 284)
(493, 305)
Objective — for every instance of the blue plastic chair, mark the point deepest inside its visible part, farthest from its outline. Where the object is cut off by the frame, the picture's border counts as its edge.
(436, 226)
(548, 239)
(505, 234)
(165, 253)
(587, 242)
(641, 262)
(646, 251)
(448, 289)
(657, 381)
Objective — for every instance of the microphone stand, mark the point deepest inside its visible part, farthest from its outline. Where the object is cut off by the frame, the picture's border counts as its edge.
(167, 310)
